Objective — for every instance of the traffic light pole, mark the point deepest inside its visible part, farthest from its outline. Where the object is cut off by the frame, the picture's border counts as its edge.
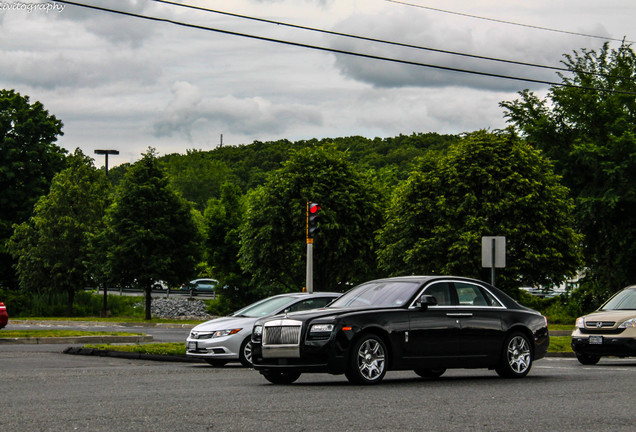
(309, 283)
(313, 210)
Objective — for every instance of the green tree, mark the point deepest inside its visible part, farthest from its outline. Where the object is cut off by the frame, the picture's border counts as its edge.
(196, 176)
(273, 237)
(151, 232)
(588, 128)
(53, 247)
(223, 218)
(488, 184)
(28, 161)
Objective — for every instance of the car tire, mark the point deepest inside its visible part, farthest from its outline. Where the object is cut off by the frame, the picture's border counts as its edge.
(587, 359)
(245, 353)
(367, 360)
(216, 363)
(281, 377)
(430, 373)
(516, 358)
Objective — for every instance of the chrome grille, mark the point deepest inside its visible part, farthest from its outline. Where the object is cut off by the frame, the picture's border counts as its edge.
(281, 335)
(599, 324)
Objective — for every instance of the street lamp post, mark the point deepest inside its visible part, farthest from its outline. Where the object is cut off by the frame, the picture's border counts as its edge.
(106, 153)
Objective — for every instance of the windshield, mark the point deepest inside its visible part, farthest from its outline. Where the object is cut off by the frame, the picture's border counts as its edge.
(264, 307)
(624, 300)
(378, 295)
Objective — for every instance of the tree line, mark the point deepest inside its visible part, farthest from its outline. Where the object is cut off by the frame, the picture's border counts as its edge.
(559, 183)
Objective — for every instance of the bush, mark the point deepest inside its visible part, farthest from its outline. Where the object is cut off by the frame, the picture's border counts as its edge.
(561, 309)
(21, 304)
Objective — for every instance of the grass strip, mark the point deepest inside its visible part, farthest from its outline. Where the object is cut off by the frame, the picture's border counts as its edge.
(560, 344)
(60, 333)
(165, 348)
(113, 320)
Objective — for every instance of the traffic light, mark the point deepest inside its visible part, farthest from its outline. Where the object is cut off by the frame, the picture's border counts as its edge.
(313, 214)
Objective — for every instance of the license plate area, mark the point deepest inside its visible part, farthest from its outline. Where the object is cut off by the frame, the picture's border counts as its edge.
(596, 340)
(192, 346)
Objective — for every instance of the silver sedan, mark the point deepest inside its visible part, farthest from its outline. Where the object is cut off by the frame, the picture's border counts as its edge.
(227, 339)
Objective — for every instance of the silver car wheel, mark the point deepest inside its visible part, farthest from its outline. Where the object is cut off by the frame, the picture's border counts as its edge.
(519, 357)
(371, 360)
(245, 354)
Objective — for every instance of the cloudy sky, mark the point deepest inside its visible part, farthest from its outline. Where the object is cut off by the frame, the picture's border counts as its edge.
(180, 82)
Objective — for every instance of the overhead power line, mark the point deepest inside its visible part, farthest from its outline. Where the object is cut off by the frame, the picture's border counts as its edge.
(364, 38)
(505, 22)
(382, 41)
(337, 51)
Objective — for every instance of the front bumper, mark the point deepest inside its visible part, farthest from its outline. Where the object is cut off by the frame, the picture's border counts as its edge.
(313, 356)
(223, 348)
(608, 346)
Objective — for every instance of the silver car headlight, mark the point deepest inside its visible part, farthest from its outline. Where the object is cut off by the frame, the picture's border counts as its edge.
(629, 323)
(228, 332)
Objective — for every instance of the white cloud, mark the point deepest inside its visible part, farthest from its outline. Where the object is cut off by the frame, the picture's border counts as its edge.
(126, 83)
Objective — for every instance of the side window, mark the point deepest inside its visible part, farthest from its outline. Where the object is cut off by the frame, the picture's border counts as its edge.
(472, 295)
(312, 303)
(441, 292)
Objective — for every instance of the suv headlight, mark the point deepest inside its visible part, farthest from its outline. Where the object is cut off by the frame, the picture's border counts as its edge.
(629, 323)
(580, 323)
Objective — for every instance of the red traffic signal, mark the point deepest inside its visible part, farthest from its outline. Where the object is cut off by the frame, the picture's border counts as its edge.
(313, 214)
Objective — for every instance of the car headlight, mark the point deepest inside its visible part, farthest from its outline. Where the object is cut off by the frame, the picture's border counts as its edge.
(258, 330)
(629, 323)
(228, 332)
(321, 328)
(580, 323)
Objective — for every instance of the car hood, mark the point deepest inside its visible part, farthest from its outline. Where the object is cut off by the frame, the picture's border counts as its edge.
(611, 315)
(224, 323)
(319, 313)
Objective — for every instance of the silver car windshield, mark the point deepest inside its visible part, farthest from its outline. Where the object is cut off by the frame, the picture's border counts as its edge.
(378, 294)
(264, 307)
(624, 300)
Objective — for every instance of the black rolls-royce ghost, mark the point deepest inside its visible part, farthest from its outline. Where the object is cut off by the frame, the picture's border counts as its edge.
(422, 323)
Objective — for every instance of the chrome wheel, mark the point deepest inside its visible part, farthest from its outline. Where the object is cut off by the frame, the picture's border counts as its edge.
(516, 360)
(519, 354)
(368, 362)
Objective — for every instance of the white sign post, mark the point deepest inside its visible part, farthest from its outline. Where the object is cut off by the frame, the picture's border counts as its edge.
(493, 254)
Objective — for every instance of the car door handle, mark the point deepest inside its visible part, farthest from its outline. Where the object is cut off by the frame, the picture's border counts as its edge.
(459, 314)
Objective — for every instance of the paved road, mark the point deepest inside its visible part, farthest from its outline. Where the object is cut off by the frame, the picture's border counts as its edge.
(44, 390)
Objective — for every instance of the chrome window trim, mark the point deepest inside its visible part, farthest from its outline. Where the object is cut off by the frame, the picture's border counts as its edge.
(419, 294)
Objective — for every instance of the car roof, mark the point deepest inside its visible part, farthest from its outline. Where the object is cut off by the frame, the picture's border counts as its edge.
(306, 294)
(424, 278)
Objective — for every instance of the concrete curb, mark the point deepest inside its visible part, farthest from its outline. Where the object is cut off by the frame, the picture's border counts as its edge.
(102, 323)
(131, 355)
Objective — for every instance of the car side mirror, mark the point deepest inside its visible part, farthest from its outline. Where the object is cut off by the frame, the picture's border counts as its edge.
(426, 301)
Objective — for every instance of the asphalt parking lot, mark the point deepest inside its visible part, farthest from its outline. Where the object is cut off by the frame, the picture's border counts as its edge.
(46, 390)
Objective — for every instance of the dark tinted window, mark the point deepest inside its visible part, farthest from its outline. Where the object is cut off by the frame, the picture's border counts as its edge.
(312, 303)
(474, 295)
(442, 293)
(378, 294)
